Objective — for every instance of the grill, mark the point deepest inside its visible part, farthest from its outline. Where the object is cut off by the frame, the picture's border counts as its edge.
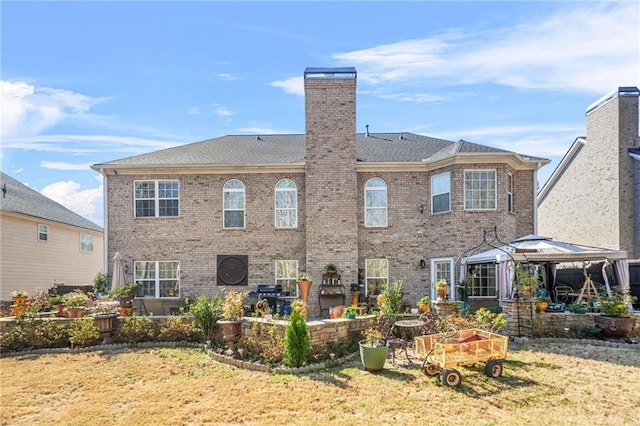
(270, 292)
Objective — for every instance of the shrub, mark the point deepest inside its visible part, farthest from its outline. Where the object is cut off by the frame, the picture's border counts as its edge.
(136, 330)
(83, 332)
(178, 329)
(390, 301)
(265, 343)
(206, 311)
(296, 339)
(15, 339)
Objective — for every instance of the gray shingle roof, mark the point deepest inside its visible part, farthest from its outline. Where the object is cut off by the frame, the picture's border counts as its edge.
(20, 199)
(290, 149)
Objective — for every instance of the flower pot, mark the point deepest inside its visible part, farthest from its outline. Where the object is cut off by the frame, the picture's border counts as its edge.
(615, 327)
(541, 306)
(106, 324)
(304, 287)
(125, 312)
(76, 312)
(231, 333)
(18, 310)
(373, 358)
(441, 292)
(424, 308)
(20, 300)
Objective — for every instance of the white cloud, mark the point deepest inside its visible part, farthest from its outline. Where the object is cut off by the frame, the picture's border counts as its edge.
(29, 110)
(594, 49)
(222, 111)
(226, 76)
(85, 144)
(85, 202)
(59, 165)
(193, 111)
(293, 85)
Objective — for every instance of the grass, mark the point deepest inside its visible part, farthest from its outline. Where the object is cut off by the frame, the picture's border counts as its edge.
(561, 383)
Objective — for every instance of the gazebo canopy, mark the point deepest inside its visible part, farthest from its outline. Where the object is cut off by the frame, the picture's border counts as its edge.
(536, 248)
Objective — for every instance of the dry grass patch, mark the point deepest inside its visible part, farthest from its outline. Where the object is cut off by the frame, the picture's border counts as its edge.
(546, 383)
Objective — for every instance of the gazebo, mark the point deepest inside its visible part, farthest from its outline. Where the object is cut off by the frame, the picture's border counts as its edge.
(543, 251)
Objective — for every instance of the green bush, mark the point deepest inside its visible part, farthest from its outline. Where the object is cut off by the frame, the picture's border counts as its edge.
(15, 339)
(135, 330)
(391, 301)
(206, 311)
(83, 332)
(296, 339)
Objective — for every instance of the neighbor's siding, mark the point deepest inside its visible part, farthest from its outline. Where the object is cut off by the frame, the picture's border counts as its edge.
(29, 264)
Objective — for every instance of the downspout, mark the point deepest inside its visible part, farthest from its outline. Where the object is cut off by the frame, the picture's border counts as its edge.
(105, 220)
(535, 200)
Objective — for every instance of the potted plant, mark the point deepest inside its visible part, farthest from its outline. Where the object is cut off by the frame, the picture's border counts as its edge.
(373, 348)
(331, 269)
(75, 303)
(231, 318)
(100, 283)
(542, 303)
(105, 318)
(19, 297)
(424, 304)
(578, 308)
(57, 301)
(351, 312)
(125, 293)
(304, 284)
(527, 282)
(615, 319)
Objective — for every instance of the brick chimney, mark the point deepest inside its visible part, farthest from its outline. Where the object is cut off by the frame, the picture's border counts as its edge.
(331, 179)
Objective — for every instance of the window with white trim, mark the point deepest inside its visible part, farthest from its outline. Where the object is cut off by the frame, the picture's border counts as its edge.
(43, 232)
(156, 198)
(157, 279)
(286, 199)
(442, 270)
(480, 189)
(86, 243)
(375, 203)
(286, 275)
(481, 280)
(233, 204)
(376, 274)
(510, 205)
(441, 193)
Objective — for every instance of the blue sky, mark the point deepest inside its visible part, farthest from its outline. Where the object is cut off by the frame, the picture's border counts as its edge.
(88, 82)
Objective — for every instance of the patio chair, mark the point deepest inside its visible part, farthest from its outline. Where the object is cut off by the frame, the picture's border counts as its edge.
(387, 324)
(152, 306)
(564, 294)
(431, 321)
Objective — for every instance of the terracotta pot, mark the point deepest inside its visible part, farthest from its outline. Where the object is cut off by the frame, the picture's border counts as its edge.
(19, 300)
(76, 312)
(423, 308)
(18, 310)
(541, 306)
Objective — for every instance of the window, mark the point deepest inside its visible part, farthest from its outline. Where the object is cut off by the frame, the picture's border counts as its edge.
(480, 190)
(43, 232)
(286, 275)
(481, 280)
(442, 269)
(510, 207)
(377, 273)
(286, 204)
(441, 193)
(157, 279)
(86, 243)
(159, 198)
(375, 203)
(233, 204)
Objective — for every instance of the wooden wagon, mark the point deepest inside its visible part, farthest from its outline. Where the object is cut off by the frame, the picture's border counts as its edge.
(443, 352)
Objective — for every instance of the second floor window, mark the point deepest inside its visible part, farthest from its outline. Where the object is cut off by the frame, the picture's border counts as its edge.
(441, 193)
(156, 198)
(375, 203)
(86, 243)
(510, 207)
(43, 232)
(480, 190)
(234, 196)
(286, 199)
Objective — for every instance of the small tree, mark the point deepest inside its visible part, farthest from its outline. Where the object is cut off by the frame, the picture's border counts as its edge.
(206, 311)
(296, 339)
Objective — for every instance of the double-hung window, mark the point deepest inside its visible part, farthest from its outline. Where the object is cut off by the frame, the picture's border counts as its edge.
(234, 202)
(157, 279)
(480, 189)
(86, 243)
(286, 199)
(375, 200)
(286, 275)
(43, 232)
(377, 274)
(156, 198)
(441, 193)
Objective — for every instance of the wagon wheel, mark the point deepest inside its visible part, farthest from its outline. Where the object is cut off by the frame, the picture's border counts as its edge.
(493, 369)
(431, 369)
(451, 377)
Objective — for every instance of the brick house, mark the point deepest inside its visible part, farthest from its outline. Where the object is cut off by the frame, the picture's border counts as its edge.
(593, 196)
(239, 211)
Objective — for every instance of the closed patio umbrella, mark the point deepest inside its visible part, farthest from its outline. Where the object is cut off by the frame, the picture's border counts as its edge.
(119, 276)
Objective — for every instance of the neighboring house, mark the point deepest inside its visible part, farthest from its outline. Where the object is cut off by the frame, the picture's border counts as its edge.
(593, 196)
(239, 211)
(43, 242)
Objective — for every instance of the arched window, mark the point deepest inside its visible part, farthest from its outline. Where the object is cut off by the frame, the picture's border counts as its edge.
(375, 203)
(286, 200)
(233, 204)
